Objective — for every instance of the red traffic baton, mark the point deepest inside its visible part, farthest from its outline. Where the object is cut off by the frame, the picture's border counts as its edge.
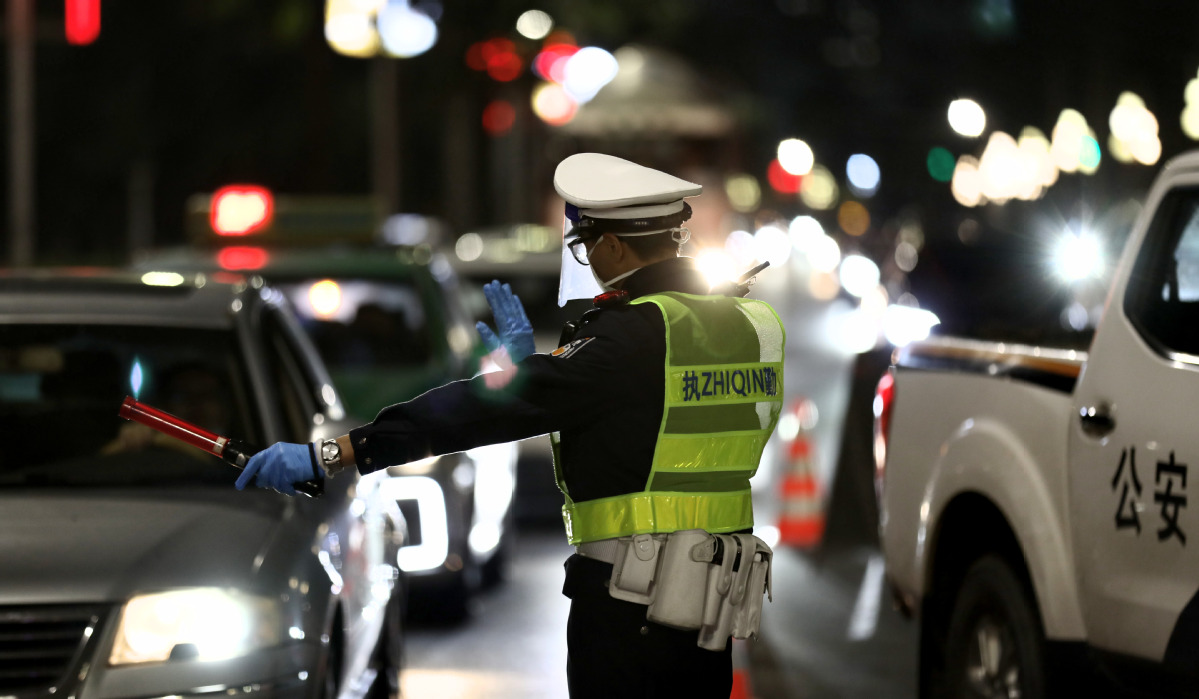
(232, 451)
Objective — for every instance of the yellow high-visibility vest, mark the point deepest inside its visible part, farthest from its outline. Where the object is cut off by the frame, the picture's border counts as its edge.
(724, 393)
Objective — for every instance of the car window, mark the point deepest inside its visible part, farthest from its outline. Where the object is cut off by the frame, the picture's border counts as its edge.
(358, 323)
(1163, 294)
(295, 394)
(61, 387)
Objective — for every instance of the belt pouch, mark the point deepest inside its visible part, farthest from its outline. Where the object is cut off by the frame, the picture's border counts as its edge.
(634, 568)
(681, 582)
(748, 615)
(717, 623)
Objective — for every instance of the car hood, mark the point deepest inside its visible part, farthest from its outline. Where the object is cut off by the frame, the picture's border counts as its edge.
(105, 545)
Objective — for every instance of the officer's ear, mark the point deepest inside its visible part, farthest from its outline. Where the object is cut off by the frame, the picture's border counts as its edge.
(616, 248)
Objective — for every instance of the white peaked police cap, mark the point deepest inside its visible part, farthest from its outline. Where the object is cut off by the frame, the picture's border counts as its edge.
(603, 186)
(606, 194)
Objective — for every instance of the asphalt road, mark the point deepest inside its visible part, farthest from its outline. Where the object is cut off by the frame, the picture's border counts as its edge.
(830, 632)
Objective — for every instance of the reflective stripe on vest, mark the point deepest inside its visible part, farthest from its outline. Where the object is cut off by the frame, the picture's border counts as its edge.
(724, 381)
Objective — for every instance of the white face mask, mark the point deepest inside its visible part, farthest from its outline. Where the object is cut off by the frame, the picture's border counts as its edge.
(606, 285)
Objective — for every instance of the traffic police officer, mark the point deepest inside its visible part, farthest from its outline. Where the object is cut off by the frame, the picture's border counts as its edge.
(659, 402)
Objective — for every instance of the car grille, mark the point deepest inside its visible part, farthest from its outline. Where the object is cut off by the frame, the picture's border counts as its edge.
(42, 646)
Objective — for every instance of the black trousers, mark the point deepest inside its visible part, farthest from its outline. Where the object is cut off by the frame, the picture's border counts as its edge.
(614, 652)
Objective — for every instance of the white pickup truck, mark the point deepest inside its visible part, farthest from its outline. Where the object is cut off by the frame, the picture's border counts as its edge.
(1034, 506)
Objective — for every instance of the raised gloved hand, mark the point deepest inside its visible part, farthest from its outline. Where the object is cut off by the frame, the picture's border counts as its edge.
(515, 331)
(279, 466)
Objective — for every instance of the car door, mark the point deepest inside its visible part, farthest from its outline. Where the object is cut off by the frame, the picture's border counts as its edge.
(1133, 446)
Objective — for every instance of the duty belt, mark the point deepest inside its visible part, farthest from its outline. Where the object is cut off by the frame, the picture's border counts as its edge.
(605, 550)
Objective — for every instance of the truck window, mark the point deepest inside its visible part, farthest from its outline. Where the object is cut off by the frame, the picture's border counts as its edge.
(1163, 293)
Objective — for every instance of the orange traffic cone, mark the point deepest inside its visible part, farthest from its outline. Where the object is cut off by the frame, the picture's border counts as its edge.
(801, 515)
(741, 688)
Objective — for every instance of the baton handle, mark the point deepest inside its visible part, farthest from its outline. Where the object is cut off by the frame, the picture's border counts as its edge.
(232, 451)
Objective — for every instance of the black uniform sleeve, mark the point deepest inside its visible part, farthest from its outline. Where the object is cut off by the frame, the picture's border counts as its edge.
(544, 393)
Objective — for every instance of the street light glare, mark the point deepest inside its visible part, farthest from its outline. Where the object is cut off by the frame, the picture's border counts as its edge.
(352, 34)
(1077, 257)
(534, 24)
(863, 174)
(967, 118)
(796, 156)
(587, 72)
(405, 32)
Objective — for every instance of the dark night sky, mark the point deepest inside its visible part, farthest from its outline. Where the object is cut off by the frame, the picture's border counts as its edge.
(186, 96)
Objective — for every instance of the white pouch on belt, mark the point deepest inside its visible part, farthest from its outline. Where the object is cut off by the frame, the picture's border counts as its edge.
(682, 582)
(733, 601)
(634, 569)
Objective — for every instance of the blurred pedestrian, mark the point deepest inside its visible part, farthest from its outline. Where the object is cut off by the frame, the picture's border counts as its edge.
(658, 401)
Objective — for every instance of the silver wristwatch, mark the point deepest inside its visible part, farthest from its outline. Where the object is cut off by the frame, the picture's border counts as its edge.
(330, 457)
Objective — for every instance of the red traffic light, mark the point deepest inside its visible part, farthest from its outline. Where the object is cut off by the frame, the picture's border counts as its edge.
(241, 209)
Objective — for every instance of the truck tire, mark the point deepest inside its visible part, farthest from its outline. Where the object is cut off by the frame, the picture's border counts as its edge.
(995, 646)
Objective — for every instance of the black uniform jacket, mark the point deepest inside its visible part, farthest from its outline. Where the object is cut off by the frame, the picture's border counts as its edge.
(603, 394)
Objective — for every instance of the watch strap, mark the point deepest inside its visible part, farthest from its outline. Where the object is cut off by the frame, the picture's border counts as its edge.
(328, 468)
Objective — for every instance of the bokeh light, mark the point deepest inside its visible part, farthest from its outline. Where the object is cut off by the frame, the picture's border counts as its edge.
(940, 164)
(853, 218)
(773, 245)
(552, 105)
(782, 181)
(804, 232)
(1074, 147)
(349, 30)
(550, 63)
(967, 184)
(498, 117)
(863, 174)
(743, 191)
(503, 64)
(534, 24)
(325, 298)
(1036, 162)
(859, 275)
(796, 156)
(1190, 113)
(469, 247)
(587, 72)
(405, 32)
(967, 118)
(999, 168)
(906, 256)
(824, 254)
(1134, 131)
(819, 189)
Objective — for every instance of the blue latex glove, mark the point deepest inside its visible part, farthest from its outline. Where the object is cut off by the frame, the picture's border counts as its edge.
(515, 331)
(279, 466)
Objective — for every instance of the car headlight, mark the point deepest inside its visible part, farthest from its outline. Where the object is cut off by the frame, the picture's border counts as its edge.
(199, 623)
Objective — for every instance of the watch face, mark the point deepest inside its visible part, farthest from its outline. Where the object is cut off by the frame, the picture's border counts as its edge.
(330, 451)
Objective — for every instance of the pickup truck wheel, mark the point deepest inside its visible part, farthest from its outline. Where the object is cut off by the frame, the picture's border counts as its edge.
(995, 646)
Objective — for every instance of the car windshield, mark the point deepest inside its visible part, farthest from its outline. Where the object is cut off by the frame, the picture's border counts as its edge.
(362, 324)
(61, 387)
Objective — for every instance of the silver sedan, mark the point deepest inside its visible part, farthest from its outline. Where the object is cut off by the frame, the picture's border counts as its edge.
(129, 564)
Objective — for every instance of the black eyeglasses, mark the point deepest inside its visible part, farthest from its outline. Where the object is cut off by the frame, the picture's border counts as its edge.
(578, 248)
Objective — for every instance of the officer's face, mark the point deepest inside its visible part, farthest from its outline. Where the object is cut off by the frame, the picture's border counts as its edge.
(599, 252)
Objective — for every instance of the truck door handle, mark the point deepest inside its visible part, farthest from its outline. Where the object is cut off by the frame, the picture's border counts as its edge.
(1097, 421)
